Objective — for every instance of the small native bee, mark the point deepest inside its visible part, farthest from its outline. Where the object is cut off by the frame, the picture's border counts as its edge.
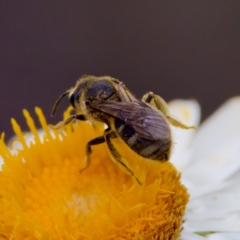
(142, 124)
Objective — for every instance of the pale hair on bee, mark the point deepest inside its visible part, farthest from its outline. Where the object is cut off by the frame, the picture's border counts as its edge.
(142, 124)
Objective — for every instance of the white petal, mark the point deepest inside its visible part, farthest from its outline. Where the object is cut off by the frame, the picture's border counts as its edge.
(223, 126)
(217, 166)
(233, 182)
(14, 145)
(227, 223)
(199, 191)
(187, 235)
(214, 205)
(190, 236)
(187, 112)
(224, 236)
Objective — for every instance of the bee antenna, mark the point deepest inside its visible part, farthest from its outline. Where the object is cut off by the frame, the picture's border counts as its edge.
(57, 102)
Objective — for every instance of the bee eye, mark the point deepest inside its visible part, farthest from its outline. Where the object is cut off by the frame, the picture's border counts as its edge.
(72, 100)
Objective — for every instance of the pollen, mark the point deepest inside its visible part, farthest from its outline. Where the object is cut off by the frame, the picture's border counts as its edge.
(43, 195)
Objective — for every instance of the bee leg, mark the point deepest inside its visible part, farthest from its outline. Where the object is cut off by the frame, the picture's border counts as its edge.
(108, 135)
(94, 141)
(158, 103)
(68, 120)
(176, 123)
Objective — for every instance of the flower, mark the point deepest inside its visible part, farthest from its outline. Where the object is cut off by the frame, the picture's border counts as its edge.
(43, 195)
(208, 159)
(210, 170)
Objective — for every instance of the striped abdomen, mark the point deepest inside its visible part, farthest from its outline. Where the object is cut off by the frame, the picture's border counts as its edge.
(147, 148)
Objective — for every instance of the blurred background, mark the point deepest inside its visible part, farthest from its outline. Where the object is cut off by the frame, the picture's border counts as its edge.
(178, 49)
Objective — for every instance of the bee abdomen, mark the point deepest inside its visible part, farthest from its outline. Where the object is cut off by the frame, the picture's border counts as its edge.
(125, 131)
(159, 150)
(147, 148)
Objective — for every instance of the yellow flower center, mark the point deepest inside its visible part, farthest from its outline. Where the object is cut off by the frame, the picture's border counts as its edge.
(43, 195)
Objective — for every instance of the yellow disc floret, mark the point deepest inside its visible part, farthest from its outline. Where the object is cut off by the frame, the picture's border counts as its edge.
(43, 195)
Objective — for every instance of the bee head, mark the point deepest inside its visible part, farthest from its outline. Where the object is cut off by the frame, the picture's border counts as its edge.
(95, 91)
(100, 90)
(73, 94)
(87, 91)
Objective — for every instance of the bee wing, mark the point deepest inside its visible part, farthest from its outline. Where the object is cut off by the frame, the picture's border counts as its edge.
(147, 122)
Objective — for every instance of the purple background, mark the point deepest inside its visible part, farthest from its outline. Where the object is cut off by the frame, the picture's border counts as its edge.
(178, 49)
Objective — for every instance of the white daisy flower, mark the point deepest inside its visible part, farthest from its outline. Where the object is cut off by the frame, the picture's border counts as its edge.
(208, 159)
(210, 170)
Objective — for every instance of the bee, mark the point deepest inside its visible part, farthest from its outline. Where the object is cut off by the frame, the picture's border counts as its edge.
(142, 124)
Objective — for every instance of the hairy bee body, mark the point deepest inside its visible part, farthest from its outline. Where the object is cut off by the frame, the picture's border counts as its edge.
(143, 125)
